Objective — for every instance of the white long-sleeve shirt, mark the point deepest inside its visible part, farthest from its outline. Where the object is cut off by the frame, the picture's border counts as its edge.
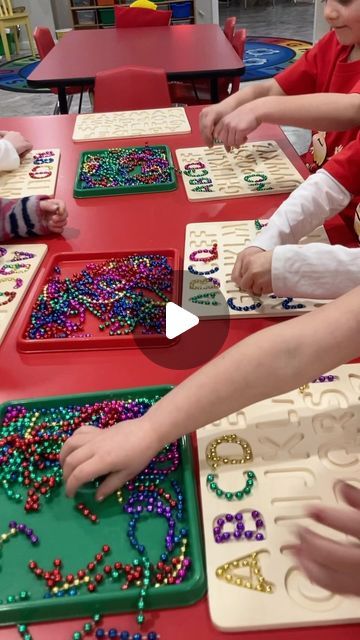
(9, 158)
(314, 270)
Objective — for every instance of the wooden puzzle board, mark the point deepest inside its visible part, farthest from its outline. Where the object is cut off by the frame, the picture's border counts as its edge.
(231, 238)
(303, 444)
(256, 168)
(16, 273)
(130, 124)
(19, 183)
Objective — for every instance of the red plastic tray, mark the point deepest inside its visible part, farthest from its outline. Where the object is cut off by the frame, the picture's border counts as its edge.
(75, 262)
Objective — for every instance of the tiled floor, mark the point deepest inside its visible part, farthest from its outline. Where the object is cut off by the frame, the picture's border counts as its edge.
(287, 19)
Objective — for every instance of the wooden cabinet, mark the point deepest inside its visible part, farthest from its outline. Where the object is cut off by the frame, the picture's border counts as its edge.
(95, 14)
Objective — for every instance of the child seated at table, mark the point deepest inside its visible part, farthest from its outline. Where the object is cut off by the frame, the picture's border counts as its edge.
(30, 216)
(266, 364)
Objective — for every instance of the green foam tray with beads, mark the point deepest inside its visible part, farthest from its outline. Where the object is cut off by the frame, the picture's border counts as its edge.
(66, 534)
(81, 191)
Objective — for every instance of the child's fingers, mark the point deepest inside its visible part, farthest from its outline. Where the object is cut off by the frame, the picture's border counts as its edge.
(81, 435)
(341, 519)
(75, 459)
(111, 483)
(82, 474)
(335, 555)
(351, 495)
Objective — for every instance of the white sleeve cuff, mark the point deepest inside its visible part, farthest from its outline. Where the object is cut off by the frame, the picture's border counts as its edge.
(9, 158)
(320, 197)
(314, 270)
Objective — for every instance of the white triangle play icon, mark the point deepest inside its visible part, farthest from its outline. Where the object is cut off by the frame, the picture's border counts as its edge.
(178, 320)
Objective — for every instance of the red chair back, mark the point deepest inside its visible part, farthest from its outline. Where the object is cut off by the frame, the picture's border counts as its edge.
(229, 28)
(239, 42)
(44, 41)
(128, 88)
(223, 85)
(137, 17)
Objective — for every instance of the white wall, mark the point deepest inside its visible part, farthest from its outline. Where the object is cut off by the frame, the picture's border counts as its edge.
(320, 25)
(40, 15)
(207, 11)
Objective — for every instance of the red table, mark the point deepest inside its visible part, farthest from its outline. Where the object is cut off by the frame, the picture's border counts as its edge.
(184, 51)
(132, 223)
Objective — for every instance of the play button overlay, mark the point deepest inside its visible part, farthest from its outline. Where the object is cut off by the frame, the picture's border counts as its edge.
(192, 339)
(178, 320)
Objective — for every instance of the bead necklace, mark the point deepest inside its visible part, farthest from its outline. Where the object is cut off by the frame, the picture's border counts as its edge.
(212, 254)
(125, 168)
(230, 495)
(215, 460)
(254, 578)
(114, 291)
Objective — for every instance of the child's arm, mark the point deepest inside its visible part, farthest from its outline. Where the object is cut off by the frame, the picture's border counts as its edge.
(322, 111)
(31, 216)
(12, 146)
(263, 365)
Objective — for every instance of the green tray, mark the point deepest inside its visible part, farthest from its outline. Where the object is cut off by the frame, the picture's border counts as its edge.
(81, 190)
(66, 534)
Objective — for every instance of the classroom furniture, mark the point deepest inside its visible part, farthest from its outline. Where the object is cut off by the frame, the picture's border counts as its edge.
(184, 51)
(44, 43)
(199, 91)
(129, 88)
(127, 223)
(11, 19)
(127, 17)
(229, 27)
(99, 14)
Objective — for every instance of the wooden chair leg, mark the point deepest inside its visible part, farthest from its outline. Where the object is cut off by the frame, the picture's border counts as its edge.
(5, 43)
(16, 39)
(30, 38)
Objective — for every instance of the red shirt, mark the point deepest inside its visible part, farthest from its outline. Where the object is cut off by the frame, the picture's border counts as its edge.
(323, 69)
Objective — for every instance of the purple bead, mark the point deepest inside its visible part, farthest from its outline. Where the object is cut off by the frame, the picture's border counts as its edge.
(239, 516)
(226, 535)
(259, 523)
(248, 534)
(331, 378)
(255, 514)
(21, 527)
(187, 562)
(322, 378)
(12, 524)
(237, 534)
(34, 539)
(217, 530)
(28, 532)
(220, 522)
(229, 517)
(259, 536)
(240, 527)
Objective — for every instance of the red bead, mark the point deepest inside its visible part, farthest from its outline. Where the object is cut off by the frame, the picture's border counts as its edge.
(107, 569)
(94, 518)
(159, 577)
(81, 574)
(70, 578)
(32, 565)
(99, 577)
(99, 557)
(106, 548)
(118, 566)
(91, 586)
(91, 566)
(57, 562)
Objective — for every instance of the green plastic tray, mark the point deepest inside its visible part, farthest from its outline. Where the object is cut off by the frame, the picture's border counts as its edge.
(81, 190)
(65, 534)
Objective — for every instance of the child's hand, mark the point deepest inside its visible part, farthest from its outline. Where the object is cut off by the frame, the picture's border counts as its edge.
(233, 129)
(53, 215)
(334, 566)
(18, 141)
(252, 271)
(121, 451)
(209, 117)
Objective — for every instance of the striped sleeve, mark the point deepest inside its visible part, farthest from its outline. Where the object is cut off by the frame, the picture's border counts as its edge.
(21, 218)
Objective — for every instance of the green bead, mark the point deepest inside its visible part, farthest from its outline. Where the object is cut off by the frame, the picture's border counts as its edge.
(247, 490)
(22, 628)
(27, 636)
(140, 618)
(97, 617)
(251, 474)
(115, 574)
(219, 492)
(249, 483)
(87, 627)
(210, 477)
(24, 595)
(213, 486)
(77, 635)
(10, 599)
(229, 495)
(239, 495)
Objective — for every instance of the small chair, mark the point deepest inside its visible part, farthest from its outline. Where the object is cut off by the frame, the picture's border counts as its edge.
(229, 28)
(11, 19)
(128, 88)
(44, 43)
(129, 17)
(198, 91)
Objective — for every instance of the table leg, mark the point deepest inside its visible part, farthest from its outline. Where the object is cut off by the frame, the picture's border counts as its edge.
(214, 93)
(62, 100)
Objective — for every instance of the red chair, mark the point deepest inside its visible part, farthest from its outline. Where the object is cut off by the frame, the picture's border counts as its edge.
(229, 28)
(198, 91)
(136, 17)
(44, 43)
(128, 88)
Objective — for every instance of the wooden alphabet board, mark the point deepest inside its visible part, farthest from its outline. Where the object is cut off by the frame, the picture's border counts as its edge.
(256, 168)
(18, 266)
(301, 445)
(131, 124)
(36, 175)
(231, 238)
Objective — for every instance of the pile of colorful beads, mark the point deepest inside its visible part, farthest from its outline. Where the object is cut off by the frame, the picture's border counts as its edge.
(114, 291)
(127, 167)
(31, 440)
